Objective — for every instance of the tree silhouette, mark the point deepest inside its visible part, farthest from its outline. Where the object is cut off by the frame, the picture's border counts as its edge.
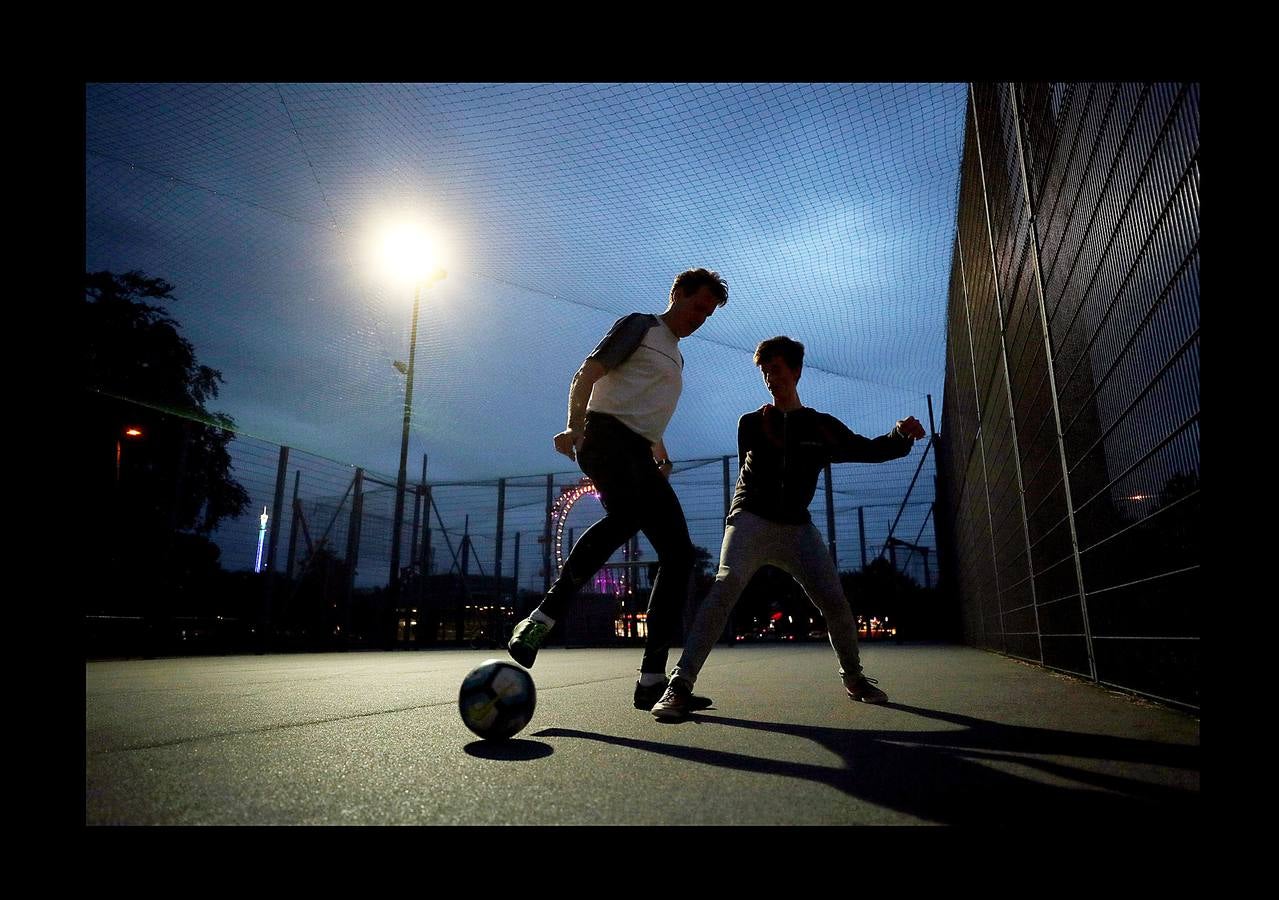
(178, 470)
(158, 494)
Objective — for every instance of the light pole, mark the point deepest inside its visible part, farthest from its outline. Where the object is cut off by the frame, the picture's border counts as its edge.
(409, 253)
(397, 528)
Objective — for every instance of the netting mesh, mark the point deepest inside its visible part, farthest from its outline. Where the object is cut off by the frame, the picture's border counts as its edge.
(830, 209)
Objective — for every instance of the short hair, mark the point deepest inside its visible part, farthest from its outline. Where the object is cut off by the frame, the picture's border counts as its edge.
(693, 280)
(791, 351)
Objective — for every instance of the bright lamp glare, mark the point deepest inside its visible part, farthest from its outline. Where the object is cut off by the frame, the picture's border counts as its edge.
(409, 253)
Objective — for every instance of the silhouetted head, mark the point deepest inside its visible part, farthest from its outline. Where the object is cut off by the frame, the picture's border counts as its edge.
(695, 296)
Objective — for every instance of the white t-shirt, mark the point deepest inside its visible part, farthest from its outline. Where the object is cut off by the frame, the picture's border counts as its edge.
(644, 374)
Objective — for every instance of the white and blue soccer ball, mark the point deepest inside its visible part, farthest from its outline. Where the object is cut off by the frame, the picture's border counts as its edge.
(497, 699)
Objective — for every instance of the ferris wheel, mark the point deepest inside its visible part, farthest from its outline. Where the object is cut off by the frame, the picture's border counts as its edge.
(618, 577)
(563, 505)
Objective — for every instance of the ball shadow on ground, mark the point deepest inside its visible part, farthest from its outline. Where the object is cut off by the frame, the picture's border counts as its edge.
(511, 749)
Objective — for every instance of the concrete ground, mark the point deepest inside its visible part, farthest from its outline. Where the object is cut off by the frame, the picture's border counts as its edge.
(968, 737)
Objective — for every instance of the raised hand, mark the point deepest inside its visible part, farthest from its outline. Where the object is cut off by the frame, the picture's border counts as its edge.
(911, 427)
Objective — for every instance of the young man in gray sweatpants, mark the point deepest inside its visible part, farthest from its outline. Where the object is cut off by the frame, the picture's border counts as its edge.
(782, 447)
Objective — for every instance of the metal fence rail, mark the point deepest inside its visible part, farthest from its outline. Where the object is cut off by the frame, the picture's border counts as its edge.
(1070, 464)
(310, 557)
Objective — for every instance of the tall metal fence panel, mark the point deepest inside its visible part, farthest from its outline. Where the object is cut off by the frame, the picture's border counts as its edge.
(1070, 458)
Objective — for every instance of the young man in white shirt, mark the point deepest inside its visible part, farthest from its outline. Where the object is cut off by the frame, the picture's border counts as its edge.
(620, 402)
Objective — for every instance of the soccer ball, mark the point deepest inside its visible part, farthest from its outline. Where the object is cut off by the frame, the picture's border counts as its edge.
(497, 699)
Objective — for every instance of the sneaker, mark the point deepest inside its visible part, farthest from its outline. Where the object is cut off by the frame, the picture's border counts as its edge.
(863, 689)
(525, 641)
(647, 696)
(674, 704)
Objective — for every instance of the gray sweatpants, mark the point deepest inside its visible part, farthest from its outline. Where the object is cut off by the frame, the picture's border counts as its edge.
(749, 543)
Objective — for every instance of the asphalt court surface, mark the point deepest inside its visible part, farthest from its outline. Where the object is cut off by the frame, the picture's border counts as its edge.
(374, 738)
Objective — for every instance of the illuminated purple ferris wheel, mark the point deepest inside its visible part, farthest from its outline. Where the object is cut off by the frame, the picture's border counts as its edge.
(616, 578)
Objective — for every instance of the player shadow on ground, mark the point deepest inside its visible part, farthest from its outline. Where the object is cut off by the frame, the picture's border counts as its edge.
(940, 776)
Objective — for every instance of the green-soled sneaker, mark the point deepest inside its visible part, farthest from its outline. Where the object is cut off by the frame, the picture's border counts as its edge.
(526, 640)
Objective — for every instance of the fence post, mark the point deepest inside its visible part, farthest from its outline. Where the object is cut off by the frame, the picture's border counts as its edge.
(353, 544)
(281, 473)
(466, 546)
(928, 577)
(417, 525)
(293, 525)
(728, 496)
(515, 574)
(498, 593)
(933, 437)
(830, 517)
(426, 522)
(501, 529)
(1008, 392)
(1052, 390)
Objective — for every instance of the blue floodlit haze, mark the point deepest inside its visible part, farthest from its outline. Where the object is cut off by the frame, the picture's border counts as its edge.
(830, 210)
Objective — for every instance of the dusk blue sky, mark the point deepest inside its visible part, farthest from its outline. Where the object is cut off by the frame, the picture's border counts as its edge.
(829, 209)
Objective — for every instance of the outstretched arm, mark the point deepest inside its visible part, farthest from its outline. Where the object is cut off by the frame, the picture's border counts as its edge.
(848, 446)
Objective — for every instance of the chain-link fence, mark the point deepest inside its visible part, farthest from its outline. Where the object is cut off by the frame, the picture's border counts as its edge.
(1070, 462)
(307, 564)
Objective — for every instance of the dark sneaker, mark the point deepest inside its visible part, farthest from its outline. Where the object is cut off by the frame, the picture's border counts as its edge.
(526, 640)
(675, 701)
(863, 689)
(645, 697)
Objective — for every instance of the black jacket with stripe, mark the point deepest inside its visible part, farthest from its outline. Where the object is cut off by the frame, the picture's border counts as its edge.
(782, 453)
